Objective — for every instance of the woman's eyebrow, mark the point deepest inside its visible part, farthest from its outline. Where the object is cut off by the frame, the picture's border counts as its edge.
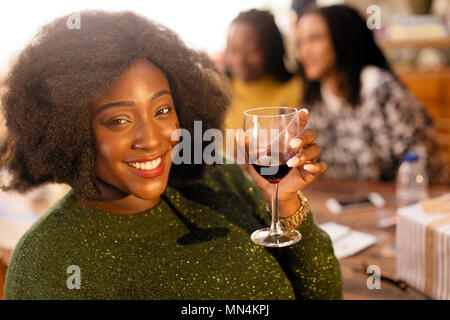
(114, 104)
(128, 103)
(159, 94)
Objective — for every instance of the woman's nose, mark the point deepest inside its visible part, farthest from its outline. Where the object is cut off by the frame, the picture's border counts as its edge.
(148, 137)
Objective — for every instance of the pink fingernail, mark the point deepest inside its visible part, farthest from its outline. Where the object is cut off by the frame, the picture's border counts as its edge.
(292, 162)
(309, 167)
(295, 143)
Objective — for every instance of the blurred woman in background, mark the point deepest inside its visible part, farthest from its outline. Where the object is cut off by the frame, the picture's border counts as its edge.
(365, 118)
(254, 60)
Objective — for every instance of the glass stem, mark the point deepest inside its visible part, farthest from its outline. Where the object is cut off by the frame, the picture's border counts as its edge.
(275, 228)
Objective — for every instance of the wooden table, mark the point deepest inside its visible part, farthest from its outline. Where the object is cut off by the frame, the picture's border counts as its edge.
(382, 254)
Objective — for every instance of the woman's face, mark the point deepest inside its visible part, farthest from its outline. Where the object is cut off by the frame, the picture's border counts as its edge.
(315, 48)
(133, 123)
(243, 55)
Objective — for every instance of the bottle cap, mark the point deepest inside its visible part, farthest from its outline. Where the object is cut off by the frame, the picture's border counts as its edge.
(410, 157)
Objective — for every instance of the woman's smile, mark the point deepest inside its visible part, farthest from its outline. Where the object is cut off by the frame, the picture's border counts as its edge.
(148, 168)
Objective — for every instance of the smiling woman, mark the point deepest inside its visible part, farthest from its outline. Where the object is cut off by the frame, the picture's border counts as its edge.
(138, 112)
(97, 108)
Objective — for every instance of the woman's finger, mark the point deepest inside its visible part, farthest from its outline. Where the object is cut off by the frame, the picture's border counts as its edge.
(316, 168)
(311, 153)
(306, 138)
(311, 171)
(297, 123)
(303, 115)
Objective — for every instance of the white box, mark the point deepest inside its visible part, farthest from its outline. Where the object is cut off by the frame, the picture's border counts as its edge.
(423, 249)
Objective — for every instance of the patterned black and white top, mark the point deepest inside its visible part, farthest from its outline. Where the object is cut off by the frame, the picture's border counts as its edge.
(367, 142)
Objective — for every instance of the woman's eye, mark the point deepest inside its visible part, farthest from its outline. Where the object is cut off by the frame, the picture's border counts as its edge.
(115, 122)
(163, 111)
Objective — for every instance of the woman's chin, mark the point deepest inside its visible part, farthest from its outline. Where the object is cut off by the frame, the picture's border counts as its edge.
(313, 75)
(150, 192)
(148, 196)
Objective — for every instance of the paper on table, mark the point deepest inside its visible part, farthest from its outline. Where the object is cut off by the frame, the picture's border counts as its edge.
(334, 230)
(347, 242)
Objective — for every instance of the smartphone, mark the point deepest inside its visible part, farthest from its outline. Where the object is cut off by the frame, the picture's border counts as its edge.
(337, 206)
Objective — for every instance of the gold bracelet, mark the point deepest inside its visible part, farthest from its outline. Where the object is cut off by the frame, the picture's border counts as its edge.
(294, 221)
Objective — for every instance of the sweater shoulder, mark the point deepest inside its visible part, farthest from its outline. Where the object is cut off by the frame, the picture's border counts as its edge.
(52, 221)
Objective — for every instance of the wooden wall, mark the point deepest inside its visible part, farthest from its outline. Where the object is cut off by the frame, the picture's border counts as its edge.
(432, 88)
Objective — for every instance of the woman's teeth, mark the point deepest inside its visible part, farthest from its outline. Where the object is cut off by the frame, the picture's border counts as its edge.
(146, 165)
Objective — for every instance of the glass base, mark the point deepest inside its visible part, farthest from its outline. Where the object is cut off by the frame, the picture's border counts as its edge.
(287, 237)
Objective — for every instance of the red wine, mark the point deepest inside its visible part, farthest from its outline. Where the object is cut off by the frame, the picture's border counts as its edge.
(279, 171)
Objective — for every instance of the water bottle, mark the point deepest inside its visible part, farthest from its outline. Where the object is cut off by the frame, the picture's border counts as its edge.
(412, 180)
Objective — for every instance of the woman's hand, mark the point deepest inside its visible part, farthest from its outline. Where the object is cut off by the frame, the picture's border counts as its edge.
(305, 169)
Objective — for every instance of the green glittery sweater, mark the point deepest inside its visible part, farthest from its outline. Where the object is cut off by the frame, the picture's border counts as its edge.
(194, 244)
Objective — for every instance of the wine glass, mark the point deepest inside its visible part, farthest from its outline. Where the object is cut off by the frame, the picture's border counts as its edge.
(268, 131)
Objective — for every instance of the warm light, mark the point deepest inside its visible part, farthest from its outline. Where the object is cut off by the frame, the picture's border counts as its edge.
(20, 19)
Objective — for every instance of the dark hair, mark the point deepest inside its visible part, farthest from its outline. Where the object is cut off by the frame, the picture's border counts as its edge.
(270, 41)
(354, 47)
(62, 71)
